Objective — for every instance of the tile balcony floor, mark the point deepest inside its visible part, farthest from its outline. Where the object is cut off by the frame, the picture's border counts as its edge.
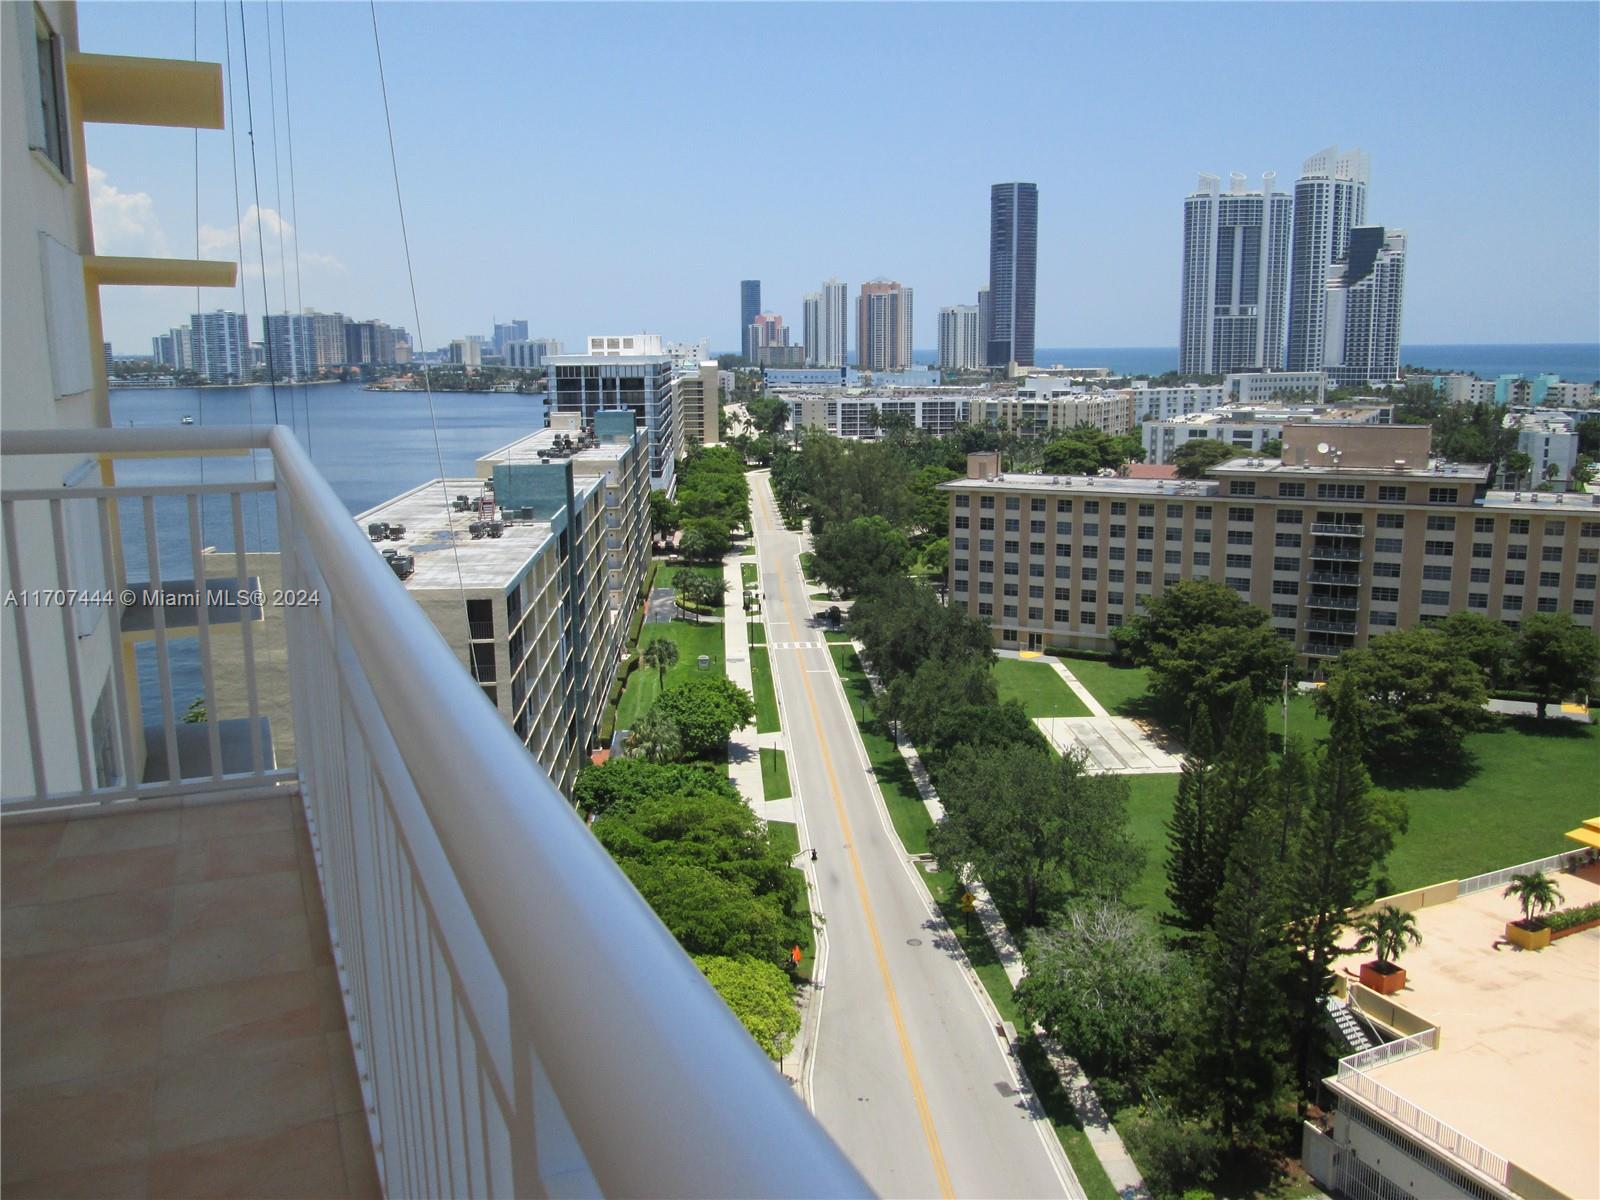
(171, 1017)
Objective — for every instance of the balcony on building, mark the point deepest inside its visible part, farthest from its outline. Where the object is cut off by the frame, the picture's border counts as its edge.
(335, 933)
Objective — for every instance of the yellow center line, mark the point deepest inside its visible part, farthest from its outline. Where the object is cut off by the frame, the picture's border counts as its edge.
(914, 1076)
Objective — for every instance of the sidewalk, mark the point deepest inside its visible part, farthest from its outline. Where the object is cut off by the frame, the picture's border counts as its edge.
(1102, 1135)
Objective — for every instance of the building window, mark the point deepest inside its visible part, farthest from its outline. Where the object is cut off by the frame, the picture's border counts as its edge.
(1086, 616)
(1584, 583)
(1063, 506)
(1549, 579)
(1241, 514)
(1439, 549)
(47, 111)
(1063, 549)
(1202, 536)
(1286, 564)
(1202, 558)
(1583, 608)
(1086, 596)
(1482, 524)
(1202, 512)
(1289, 541)
(985, 609)
(1291, 516)
(1479, 574)
(1036, 504)
(963, 502)
(1430, 596)
(986, 523)
(1241, 487)
(1442, 495)
(1511, 603)
(1173, 557)
(1284, 611)
(1589, 529)
(1390, 493)
(1239, 562)
(1239, 537)
(1144, 556)
(1063, 617)
(1516, 553)
(1013, 503)
(1174, 533)
(1386, 570)
(1551, 554)
(1292, 491)
(1013, 525)
(1091, 506)
(1391, 521)
(1547, 604)
(1013, 546)
(1477, 599)
(1519, 525)
(1341, 491)
(1441, 522)
(1174, 512)
(1387, 595)
(1380, 617)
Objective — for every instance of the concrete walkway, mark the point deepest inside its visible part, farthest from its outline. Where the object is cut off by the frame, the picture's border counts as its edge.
(745, 746)
(1102, 1135)
(1114, 745)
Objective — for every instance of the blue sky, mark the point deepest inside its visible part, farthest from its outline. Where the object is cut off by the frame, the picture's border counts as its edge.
(619, 167)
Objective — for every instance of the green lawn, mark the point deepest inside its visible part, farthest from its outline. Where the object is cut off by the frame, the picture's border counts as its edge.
(693, 640)
(1118, 688)
(747, 573)
(805, 564)
(1042, 692)
(757, 632)
(775, 775)
(906, 809)
(786, 840)
(838, 636)
(766, 698)
(1150, 799)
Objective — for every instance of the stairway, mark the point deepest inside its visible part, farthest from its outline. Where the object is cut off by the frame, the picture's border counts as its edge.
(1349, 1029)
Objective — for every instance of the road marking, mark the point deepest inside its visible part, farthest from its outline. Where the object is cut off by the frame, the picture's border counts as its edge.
(914, 1076)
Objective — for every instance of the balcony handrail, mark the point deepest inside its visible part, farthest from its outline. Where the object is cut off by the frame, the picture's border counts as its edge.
(663, 1089)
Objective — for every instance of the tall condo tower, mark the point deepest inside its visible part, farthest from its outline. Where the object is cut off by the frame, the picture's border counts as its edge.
(960, 348)
(1235, 272)
(1330, 199)
(1366, 294)
(827, 325)
(1013, 271)
(883, 326)
(749, 308)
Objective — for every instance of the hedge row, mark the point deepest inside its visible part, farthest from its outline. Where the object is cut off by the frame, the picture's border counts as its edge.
(1568, 917)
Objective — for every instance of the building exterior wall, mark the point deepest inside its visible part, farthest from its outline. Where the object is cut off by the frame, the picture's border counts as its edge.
(1330, 199)
(586, 383)
(1037, 415)
(749, 306)
(883, 326)
(961, 345)
(1235, 277)
(1361, 551)
(1266, 387)
(697, 400)
(1164, 403)
(844, 414)
(1013, 268)
(1248, 429)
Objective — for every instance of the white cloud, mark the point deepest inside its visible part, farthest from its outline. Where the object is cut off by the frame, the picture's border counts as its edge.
(225, 242)
(124, 222)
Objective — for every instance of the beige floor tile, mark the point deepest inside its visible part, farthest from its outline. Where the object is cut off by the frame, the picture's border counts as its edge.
(41, 982)
(261, 853)
(72, 1043)
(125, 831)
(244, 951)
(304, 1162)
(360, 1171)
(123, 1181)
(121, 871)
(205, 1097)
(342, 1066)
(235, 901)
(76, 1126)
(246, 1013)
(33, 843)
(91, 921)
(203, 821)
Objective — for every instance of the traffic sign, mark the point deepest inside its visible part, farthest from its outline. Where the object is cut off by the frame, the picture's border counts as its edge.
(968, 901)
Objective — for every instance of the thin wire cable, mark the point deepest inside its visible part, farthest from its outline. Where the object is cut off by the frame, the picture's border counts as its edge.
(238, 228)
(199, 392)
(416, 314)
(290, 325)
(261, 244)
(294, 201)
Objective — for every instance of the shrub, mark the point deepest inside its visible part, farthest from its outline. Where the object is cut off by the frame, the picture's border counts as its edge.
(1176, 1156)
(1568, 917)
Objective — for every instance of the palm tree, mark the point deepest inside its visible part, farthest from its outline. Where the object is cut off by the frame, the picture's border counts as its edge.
(660, 653)
(656, 738)
(1535, 891)
(1388, 931)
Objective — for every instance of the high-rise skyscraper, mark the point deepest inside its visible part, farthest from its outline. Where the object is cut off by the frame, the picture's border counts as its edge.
(883, 326)
(1235, 272)
(984, 309)
(1366, 294)
(1013, 270)
(220, 345)
(827, 326)
(960, 348)
(749, 309)
(291, 345)
(1330, 199)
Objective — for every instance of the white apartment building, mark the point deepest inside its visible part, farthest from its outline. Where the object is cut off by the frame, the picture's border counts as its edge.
(466, 352)
(1044, 407)
(622, 376)
(626, 344)
(1163, 403)
(528, 354)
(827, 325)
(1550, 439)
(961, 342)
(220, 344)
(1248, 429)
(1366, 301)
(688, 354)
(1235, 276)
(854, 413)
(1330, 199)
(531, 571)
(1268, 387)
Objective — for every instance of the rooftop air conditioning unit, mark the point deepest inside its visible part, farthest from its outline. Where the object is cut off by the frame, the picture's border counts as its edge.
(476, 528)
(403, 565)
(397, 533)
(377, 530)
(496, 528)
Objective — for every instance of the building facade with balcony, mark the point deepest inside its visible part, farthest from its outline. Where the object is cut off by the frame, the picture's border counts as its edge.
(697, 397)
(623, 377)
(1354, 531)
(1246, 429)
(1040, 408)
(861, 414)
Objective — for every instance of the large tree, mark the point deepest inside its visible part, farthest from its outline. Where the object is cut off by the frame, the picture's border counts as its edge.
(619, 784)
(1035, 826)
(705, 539)
(902, 625)
(1201, 641)
(1487, 642)
(703, 589)
(706, 709)
(1101, 982)
(1556, 658)
(1418, 695)
(855, 555)
(1195, 851)
(1198, 455)
(760, 995)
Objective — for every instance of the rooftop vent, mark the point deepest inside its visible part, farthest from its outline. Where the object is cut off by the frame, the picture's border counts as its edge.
(397, 532)
(403, 565)
(377, 530)
(477, 528)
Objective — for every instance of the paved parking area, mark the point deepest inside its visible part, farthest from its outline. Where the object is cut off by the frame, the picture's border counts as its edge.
(1115, 745)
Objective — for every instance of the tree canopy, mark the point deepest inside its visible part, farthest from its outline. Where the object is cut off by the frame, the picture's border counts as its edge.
(1198, 455)
(760, 995)
(1556, 658)
(706, 709)
(857, 554)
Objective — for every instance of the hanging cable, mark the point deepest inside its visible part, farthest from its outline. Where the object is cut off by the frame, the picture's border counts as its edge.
(416, 314)
(261, 245)
(244, 298)
(291, 325)
(294, 201)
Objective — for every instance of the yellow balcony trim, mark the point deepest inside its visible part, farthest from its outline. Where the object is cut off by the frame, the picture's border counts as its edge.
(159, 272)
(1587, 837)
(117, 90)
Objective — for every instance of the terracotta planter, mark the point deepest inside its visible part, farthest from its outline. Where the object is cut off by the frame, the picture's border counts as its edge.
(1385, 978)
(1529, 935)
(1557, 935)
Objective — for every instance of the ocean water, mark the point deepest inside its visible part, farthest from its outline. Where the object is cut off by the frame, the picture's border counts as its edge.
(1575, 361)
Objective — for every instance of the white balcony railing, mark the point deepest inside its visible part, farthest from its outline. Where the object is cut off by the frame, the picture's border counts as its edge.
(523, 1023)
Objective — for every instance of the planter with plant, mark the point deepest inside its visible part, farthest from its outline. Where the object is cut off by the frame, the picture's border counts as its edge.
(1388, 932)
(1572, 920)
(1537, 893)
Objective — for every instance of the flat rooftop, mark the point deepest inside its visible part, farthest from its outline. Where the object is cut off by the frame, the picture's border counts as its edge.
(447, 556)
(1555, 504)
(1435, 469)
(1518, 1062)
(591, 460)
(1115, 484)
(1315, 414)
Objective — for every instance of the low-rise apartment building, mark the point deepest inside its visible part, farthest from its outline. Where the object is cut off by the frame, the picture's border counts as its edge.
(623, 371)
(1247, 429)
(1040, 408)
(860, 414)
(1550, 439)
(697, 399)
(1355, 530)
(530, 571)
(1268, 387)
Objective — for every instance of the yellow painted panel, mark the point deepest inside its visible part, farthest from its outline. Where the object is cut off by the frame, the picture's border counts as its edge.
(1579, 710)
(159, 272)
(1587, 836)
(117, 90)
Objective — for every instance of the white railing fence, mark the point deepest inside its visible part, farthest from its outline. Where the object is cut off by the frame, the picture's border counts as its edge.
(1421, 1121)
(1498, 879)
(523, 1023)
(1388, 1052)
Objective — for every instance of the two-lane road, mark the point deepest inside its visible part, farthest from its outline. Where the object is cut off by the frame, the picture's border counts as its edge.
(908, 1073)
